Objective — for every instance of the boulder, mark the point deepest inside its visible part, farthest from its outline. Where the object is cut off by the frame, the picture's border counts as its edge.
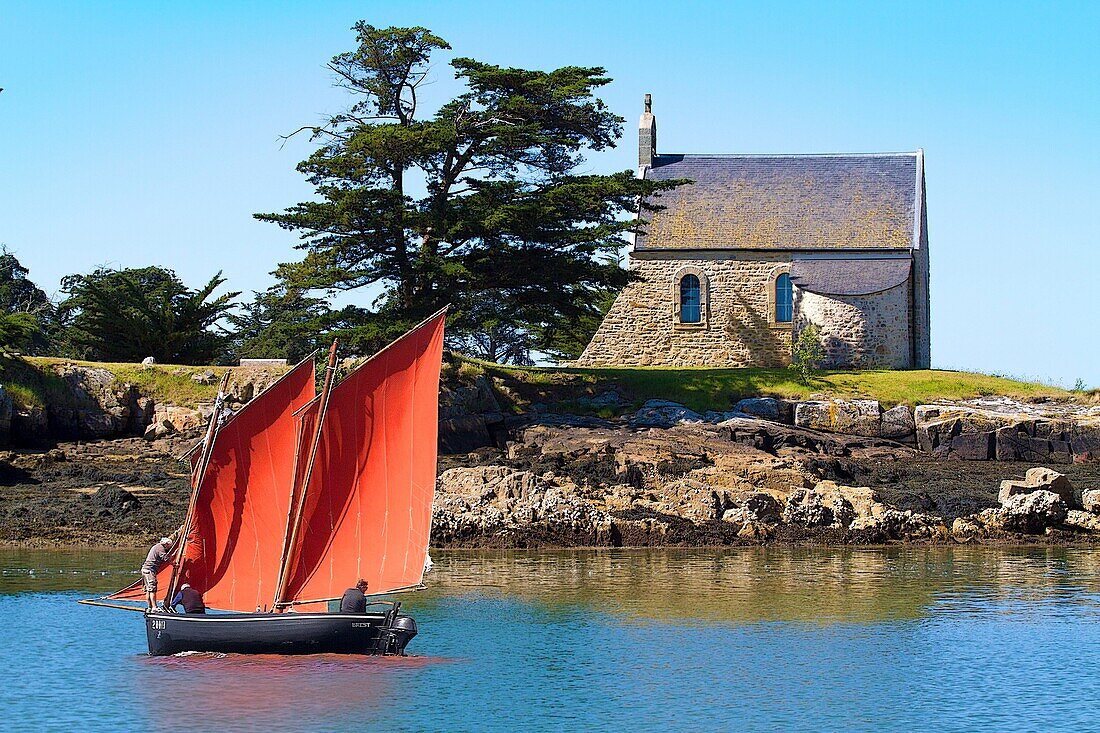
(898, 423)
(864, 503)
(1017, 442)
(161, 429)
(663, 414)
(142, 410)
(807, 508)
(97, 406)
(182, 419)
(968, 447)
(1038, 479)
(715, 417)
(1090, 500)
(852, 417)
(1032, 513)
(903, 525)
(246, 383)
(752, 506)
(769, 436)
(755, 532)
(766, 408)
(966, 527)
(1082, 521)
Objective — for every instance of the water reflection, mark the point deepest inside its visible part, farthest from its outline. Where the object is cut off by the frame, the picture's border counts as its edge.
(87, 570)
(748, 585)
(267, 689)
(732, 585)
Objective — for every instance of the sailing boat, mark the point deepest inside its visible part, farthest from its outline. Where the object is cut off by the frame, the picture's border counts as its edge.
(296, 497)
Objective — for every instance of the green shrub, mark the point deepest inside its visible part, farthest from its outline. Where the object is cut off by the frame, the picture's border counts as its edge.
(807, 352)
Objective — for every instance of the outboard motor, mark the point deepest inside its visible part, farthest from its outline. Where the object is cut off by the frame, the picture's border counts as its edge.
(396, 632)
(406, 624)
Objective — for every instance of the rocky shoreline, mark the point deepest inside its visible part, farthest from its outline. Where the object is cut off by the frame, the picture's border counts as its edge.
(518, 473)
(570, 481)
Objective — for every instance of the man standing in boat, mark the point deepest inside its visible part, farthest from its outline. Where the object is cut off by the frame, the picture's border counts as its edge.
(355, 599)
(157, 558)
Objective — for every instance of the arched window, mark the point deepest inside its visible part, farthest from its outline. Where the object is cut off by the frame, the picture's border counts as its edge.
(784, 307)
(690, 310)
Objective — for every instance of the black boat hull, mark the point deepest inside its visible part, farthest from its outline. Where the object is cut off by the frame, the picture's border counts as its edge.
(279, 633)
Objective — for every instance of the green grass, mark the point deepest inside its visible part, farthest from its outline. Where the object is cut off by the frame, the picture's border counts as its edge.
(32, 387)
(34, 382)
(169, 384)
(718, 389)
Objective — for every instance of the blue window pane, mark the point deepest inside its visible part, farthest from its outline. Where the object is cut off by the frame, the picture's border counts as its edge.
(689, 300)
(784, 306)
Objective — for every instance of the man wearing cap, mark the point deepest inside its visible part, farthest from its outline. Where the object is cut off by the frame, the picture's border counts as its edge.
(157, 558)
(190, 598)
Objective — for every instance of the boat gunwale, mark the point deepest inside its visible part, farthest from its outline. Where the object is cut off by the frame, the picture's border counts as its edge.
(264, 616)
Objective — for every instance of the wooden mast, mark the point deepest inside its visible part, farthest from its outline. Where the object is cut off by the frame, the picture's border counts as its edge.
(295, 521)
(196, 483)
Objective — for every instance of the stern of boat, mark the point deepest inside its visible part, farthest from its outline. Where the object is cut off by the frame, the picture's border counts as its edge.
(393, 638)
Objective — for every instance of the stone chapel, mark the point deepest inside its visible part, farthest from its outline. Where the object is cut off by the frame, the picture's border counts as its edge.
(737, 262)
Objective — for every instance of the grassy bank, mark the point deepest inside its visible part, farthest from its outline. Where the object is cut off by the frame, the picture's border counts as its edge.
(718, 389)
(34, 381)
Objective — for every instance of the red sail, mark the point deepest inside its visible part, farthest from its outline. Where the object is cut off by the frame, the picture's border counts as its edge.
(234, 549)
(368, 507)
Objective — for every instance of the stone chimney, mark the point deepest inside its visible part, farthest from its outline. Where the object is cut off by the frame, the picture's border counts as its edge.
(647, 137)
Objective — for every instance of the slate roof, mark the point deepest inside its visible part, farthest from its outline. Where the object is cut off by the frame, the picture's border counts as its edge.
(849, 277)
(785, 202)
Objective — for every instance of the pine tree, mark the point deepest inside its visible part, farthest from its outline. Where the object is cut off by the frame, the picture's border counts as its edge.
(479, 205)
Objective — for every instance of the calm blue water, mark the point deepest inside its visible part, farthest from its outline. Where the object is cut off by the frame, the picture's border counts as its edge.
(738, 640)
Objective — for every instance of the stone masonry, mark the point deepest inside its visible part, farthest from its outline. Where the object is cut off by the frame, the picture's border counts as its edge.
(859, 331)
(642, 328)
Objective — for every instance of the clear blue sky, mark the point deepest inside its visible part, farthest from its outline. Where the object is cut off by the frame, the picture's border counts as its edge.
(147, 133)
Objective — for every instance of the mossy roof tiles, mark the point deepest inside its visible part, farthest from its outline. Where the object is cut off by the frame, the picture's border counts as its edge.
(784, 202)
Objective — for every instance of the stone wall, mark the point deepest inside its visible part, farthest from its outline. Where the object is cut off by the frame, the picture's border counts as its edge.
(642, 327)
(863, 331)
(922, 304)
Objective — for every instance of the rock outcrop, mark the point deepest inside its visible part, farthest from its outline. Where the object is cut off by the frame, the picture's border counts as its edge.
(1038, 479)
(851, 417)
(663, 414)
(767, 408)
(1005, 430)
(93, 403)
(1032, 513)
(856, 417)
(499, 506)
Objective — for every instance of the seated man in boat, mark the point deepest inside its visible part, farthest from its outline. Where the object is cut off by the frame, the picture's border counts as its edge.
(157, 558)
(190, 598)
(355, 599)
